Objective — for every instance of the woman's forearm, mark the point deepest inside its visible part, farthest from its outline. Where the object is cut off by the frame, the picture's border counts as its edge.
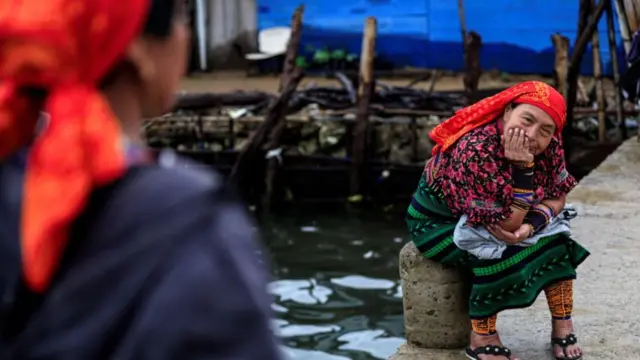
(541, 214)
(556, 204)
(513, 222)
(522, 196)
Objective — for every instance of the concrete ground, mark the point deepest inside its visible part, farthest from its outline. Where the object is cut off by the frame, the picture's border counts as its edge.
(607, 292)
(606, 313)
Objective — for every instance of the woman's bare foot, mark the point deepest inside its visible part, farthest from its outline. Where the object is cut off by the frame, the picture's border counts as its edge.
(561, 329)
(477, 341)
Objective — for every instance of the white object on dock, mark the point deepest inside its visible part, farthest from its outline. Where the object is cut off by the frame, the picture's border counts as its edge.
(272, 42)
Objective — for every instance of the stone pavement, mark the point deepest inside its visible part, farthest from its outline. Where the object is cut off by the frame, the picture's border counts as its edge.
(607, 292)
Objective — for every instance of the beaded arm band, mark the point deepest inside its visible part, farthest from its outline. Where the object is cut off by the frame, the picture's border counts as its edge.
(522, 176)
(538, 217)
(522, 199)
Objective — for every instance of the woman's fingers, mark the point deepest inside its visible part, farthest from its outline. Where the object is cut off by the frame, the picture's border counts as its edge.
(520, 140)
(516, 145)
(503, 235)
(523, 232)
(510, 140)
(492, 229)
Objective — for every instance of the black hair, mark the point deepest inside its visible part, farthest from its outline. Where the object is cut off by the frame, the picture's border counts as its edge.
(512, 105)
(160, 18)
(159, 24)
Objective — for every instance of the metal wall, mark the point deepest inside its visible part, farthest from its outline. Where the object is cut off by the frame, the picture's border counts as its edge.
(516, 34)
(232, 32)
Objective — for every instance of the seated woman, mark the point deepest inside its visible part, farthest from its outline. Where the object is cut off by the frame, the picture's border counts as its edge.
(500, 162)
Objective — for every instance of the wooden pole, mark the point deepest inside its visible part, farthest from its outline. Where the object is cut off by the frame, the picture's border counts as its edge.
(471, 43)
(274, 142)
(597, 74)
(291, 76)
(251, 165)
(361, 127)
(587, 24)
(561, 46)
(623, 21)
(632, 9)
(613, 52)
(434, 79)
(292, 46)
(471, 79)
(461, 17)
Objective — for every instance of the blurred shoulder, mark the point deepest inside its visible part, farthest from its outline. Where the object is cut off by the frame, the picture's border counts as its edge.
(173, 193)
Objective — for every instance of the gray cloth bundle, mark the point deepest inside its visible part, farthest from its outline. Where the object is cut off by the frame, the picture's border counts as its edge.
(480, 242)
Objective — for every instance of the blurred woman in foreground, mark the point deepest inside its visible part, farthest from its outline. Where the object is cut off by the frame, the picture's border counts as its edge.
(491, 201)
(109, 250)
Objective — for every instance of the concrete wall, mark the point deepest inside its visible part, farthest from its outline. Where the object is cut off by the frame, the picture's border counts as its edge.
(232, 32)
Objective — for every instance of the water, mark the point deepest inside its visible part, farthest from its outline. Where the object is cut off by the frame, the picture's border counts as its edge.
(336, 286)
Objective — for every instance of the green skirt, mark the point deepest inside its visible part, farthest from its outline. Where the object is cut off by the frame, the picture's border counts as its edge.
(513, 281)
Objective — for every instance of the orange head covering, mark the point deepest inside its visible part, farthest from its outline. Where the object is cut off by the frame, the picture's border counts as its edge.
(530, 92)
(64, 47)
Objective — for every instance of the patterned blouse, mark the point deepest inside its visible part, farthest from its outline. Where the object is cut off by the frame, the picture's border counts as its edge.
(475, 178)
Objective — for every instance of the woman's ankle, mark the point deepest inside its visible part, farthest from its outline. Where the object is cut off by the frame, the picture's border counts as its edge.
(484, 339)
(562, 326)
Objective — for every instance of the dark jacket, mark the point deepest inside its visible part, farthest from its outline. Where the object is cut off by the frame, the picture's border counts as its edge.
(161, 265)
(631, 78)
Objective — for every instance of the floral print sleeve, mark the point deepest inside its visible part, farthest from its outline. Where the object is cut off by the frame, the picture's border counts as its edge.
(558, 182)
(474, 180)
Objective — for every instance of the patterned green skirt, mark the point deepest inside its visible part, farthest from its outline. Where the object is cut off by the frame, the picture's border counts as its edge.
(513, 281)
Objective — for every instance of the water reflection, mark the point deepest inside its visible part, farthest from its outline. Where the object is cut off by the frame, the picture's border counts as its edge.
(337, 293)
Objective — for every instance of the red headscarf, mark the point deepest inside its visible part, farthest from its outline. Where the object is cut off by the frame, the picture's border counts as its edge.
(534, 93)
(64, 47)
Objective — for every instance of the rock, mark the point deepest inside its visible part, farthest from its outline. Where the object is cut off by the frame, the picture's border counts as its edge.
(410, 352)
(435, 302)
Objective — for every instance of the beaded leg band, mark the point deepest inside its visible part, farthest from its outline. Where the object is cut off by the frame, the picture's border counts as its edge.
(486, 326)
(560, 299)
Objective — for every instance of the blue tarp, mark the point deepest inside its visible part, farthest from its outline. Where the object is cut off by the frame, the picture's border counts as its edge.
(516, 34)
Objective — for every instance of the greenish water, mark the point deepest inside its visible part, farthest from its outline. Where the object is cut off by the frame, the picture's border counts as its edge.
(336, 288)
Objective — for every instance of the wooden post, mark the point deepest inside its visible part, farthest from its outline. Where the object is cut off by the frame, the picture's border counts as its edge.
(613, 52)
(632, 9)
(291, 76)
(623, 21)
(587, 24)
(361, 127)
(292, 46)
(249, 169)
(473, 44)
(597, 74)
(434, 79)
(561, 46)
(275, 140)
(461, 17)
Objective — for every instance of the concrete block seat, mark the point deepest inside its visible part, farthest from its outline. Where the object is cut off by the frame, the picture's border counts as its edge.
(435, 308)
